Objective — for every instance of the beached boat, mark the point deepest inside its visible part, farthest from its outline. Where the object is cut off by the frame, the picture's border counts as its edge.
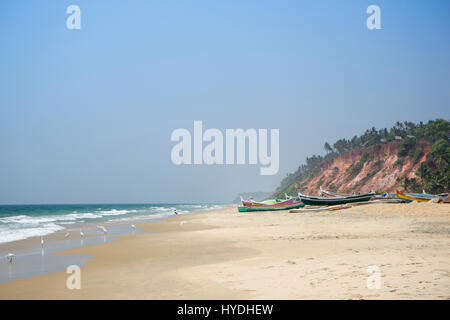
(322, 201)
(252, 203)
(420, 197)
(323, 192)
(291, 203)
(385, 196)
(248, 203)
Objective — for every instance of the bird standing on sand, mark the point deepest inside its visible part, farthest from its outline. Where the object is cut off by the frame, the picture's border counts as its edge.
(81, 234)
(67, 235)
(42, 242)
(10, 257)
(104, 230)
(133, 226)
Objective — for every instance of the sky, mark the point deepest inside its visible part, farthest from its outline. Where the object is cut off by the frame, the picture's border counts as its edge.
(86, 115)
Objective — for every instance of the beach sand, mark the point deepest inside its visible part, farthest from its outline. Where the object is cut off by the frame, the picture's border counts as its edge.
(269, 255)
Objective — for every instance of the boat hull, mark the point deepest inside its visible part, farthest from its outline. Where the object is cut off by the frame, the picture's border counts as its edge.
(414, 197)
(317, 201)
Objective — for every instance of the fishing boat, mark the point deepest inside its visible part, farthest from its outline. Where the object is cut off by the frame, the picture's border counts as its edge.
(323, 201)
(420, 197)
(385, 196)
(252, 203)
(291, 203)
(323, 192)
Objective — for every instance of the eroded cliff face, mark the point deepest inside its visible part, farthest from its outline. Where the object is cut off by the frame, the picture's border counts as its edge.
(375, 168)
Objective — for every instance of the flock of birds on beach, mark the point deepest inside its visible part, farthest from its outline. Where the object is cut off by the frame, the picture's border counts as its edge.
(10, 256)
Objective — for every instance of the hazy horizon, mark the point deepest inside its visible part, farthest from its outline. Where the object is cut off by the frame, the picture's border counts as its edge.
(86, 115)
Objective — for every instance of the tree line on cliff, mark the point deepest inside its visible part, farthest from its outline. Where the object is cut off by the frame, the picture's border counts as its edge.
(433, 174)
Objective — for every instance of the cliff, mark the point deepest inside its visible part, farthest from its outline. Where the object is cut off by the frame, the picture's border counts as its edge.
(376, 168)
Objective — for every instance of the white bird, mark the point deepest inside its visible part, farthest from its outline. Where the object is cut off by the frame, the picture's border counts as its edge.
(10, 257)
(133, 226)
(104, 230)
(67, 235)
(42, 242)
(81, 233)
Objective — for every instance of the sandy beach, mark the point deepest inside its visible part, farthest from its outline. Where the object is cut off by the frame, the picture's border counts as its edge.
(270, 255)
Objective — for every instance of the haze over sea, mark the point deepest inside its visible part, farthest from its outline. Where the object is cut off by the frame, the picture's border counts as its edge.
(19, 222)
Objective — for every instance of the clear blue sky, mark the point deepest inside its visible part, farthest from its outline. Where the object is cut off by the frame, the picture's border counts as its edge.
(86, 115)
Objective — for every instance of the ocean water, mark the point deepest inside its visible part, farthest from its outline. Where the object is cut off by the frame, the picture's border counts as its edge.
(19, 222)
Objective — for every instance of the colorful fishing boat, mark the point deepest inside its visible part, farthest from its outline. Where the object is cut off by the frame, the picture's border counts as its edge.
(420, 197)
(323, 201)
(291, 203)
(252, 203)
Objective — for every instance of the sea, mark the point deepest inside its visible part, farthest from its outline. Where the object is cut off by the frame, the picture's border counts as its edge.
(18, 222)
(36, 256)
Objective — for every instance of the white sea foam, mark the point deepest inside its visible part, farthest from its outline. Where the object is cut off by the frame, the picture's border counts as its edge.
(115, 212)
(8, 235)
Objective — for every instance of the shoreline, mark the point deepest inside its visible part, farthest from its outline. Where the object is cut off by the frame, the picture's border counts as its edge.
(33, 260)
(75, 217)
(224, 254)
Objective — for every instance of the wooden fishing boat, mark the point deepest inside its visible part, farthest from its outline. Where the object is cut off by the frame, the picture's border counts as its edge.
(323, 192)
(252, 203)
(385, 196)
(282, 205)
(420, 197)
(322, 201)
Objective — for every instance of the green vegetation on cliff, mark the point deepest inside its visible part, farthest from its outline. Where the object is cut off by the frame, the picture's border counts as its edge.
(433, 174)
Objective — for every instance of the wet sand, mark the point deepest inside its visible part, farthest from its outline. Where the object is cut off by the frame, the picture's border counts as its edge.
(270, 255)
